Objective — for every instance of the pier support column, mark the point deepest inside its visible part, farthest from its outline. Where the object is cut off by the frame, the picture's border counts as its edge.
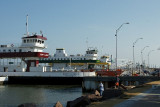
(105, 85)
(126, 83)
(136, 83)
(89, 85)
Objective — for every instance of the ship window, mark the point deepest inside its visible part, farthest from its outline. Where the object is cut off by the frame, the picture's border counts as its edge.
(15, 50)
(27, 40)
(24, 41)
(39, 41)
(34, 40)
(30, 40)
(20, 50)
(4, 50)
(9, 50)
(42, 41)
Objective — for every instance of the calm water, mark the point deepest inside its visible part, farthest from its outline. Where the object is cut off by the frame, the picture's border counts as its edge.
(41, 95)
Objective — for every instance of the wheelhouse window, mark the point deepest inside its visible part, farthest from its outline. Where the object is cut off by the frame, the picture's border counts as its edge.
(36, 40)
(39, 41)
(24, 41)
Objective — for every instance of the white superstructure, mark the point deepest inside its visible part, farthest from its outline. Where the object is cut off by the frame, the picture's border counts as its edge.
(23, 59)
(61, 61)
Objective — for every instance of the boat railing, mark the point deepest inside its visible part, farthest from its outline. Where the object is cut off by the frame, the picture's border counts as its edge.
(10, 45)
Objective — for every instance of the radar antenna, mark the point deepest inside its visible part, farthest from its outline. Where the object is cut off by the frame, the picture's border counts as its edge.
(41, 32)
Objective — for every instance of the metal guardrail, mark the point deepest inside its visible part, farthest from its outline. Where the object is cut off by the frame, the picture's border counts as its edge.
(125, 78)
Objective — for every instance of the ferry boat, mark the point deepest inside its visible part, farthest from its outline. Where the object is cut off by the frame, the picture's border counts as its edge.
(87, 62)
(25, 57)
(22, 64)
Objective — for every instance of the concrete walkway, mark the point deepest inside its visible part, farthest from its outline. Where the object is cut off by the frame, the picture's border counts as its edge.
(150, 98)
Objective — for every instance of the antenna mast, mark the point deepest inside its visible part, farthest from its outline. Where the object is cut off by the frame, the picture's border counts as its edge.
(27, 26)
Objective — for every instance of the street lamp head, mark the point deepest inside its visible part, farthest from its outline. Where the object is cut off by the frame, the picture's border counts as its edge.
(144, 48)
(127, 23)
(136, 41)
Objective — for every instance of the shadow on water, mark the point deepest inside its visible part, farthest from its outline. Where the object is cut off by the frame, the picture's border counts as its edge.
(41, 95)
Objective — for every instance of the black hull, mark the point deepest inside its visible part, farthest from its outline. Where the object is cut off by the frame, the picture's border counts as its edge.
(26, 80)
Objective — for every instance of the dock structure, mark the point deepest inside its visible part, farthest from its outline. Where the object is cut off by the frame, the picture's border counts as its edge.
(91, 83)
(46, 78)
(87, 80)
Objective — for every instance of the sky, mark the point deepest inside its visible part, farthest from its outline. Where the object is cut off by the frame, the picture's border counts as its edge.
(78, 24)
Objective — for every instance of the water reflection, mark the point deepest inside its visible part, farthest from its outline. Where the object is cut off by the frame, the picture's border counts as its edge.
(42, 95)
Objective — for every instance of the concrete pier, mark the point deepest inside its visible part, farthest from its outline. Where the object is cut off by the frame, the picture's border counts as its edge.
(91, 83)
(3, 80)
(47, 78)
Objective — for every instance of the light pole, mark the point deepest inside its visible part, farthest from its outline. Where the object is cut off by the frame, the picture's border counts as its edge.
(116, 40)
(133, 53)
(148, 57)
(142, 53)
(70, 62)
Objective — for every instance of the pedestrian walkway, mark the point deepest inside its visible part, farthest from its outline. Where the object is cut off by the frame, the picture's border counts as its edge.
(150, 98)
